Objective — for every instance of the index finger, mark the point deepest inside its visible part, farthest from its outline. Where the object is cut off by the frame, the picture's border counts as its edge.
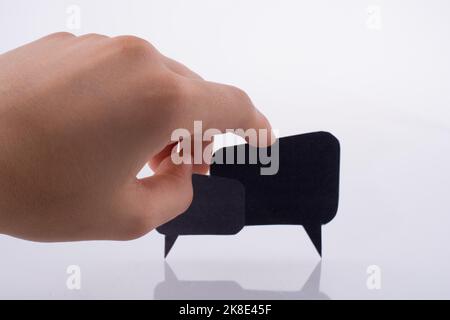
(222, 107)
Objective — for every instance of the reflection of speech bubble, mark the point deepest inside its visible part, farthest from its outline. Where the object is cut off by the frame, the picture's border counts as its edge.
(173, 288)
(303, 192)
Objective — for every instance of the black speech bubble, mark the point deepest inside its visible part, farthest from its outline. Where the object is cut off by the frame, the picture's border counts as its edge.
(304, 191)
(218, 208)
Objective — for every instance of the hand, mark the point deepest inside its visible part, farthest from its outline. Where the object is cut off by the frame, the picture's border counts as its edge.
(79, 118)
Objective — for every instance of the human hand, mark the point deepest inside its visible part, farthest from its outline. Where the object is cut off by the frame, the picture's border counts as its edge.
(79, 118)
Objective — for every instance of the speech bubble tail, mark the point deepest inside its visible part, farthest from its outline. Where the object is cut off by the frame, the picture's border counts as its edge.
(169, 241)
(315, 234)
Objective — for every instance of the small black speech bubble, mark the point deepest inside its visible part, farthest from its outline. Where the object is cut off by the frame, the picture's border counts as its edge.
(304, 191)
(218, 208)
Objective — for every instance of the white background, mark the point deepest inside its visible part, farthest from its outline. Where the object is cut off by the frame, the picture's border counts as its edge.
(381, 86)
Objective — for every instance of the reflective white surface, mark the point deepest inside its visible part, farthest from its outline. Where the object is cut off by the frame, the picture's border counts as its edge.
(383, 88)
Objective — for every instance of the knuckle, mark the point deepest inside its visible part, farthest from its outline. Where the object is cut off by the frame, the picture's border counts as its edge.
(61, 35)
(240, 95)
(132, 46)
(247, 110)
(93, 36)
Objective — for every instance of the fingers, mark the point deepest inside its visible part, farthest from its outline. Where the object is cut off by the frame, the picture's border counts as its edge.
(166, 194)
(156, 160)
(223, 107)
(200, 165)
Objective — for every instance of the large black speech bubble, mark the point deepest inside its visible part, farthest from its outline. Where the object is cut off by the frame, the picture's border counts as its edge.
(304, 191)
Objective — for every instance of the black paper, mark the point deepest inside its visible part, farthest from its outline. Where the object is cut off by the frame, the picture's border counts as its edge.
(305, 191)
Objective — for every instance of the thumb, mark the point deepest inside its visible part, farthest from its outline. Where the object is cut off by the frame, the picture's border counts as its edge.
(168, 193)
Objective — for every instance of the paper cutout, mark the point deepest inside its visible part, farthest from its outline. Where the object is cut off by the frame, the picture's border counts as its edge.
(304, 191)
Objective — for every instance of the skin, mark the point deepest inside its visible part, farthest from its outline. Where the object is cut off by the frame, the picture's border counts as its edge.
(79, 118)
